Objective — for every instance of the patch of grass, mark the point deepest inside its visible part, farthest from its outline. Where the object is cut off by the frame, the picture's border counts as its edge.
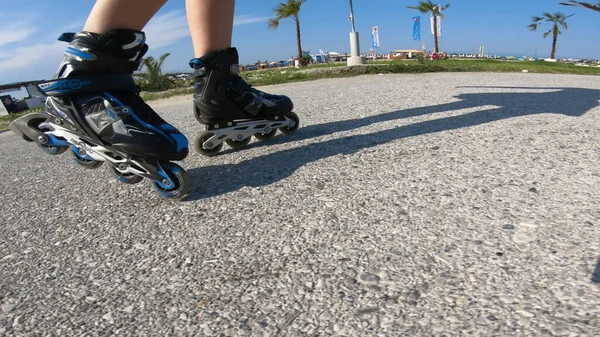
(278, 76)
(327, 65)
(513, 66)
(154, 95)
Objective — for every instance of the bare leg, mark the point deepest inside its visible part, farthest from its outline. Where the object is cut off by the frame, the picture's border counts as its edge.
(211, 24)
(121, 14)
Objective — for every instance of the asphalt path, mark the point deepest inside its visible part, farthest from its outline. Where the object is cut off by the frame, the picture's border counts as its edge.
(420, 205)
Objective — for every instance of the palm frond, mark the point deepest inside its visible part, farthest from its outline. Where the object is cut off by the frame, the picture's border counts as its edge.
(582, 4)
(429, 7)
(563, 22)
(548, 16)
(273, 24)
(558, 19)
(547, 33)
(161, 59)
(152, 77)
(285, 10)
(536, 18)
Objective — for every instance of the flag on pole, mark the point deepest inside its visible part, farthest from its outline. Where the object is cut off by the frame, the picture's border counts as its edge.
(439, 22)
(416, 28)
(375, 37)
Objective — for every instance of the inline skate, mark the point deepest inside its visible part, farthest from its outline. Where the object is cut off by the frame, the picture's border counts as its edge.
(231, 110)
(94, 109)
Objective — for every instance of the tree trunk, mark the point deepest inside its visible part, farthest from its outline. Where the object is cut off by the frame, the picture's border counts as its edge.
(298, 37)
(554, 38)
(435, 36)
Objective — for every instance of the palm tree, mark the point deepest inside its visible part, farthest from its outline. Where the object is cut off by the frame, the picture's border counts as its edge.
(291, 9)
(429, 7)
(582, 4)
(153, 77)
(557, 20)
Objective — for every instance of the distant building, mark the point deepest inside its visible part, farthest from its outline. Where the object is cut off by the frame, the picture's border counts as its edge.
(8, 104)
(405, 53)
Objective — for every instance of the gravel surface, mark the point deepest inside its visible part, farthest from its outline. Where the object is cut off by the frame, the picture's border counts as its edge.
(419, 205)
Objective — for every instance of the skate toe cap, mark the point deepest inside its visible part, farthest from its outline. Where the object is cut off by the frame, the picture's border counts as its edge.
(286, 103)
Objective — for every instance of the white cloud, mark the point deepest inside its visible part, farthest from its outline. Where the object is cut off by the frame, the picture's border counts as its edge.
(32, 56)
(29, 59)
(74, 26)
(4, 54)
(168, 28)
(248, 19)
(15, 32)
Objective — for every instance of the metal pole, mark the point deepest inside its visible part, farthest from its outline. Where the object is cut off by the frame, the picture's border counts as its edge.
(355, 57)
(352, 16)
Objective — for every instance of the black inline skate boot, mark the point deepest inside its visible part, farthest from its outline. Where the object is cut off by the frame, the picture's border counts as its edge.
(231, 109)
(93, 107)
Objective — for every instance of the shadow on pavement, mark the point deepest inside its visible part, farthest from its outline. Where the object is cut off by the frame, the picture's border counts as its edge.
(596, 273)
(264, 170)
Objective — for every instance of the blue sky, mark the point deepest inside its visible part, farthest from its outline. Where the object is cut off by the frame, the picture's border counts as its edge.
(29, 49)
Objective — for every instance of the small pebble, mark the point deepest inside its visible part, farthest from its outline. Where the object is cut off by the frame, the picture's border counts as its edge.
(108, 317)
(349, 281)
(368, 279)
(325, 316)
(366, 311)
(525, 313)
(8, 307)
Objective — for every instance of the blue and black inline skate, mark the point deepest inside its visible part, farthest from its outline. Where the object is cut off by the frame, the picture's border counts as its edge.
(94, 109)
(231, 110)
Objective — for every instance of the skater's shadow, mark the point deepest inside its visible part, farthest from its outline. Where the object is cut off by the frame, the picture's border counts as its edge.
(596, 273)
(566, 101)
(215, 180)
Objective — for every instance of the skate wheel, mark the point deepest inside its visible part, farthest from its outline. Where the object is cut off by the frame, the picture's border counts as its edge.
(52, 150)
(266, 136)
(201, 140)
(291, 129)
(126, 178)
(180, 179)
(84, 162)
(236, 144)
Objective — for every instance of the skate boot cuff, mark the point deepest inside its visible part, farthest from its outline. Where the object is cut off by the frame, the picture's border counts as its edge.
(225, 60)
(117, 50)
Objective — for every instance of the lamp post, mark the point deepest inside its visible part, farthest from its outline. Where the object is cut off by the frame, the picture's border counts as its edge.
(351, 17)
(355, 58)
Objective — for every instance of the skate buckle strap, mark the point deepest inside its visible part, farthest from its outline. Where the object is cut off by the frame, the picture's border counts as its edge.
(199, 73)
(66, 37)
(253, 107)
(234, 69)
(88, 83)
(257, 104)
(196, 63)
